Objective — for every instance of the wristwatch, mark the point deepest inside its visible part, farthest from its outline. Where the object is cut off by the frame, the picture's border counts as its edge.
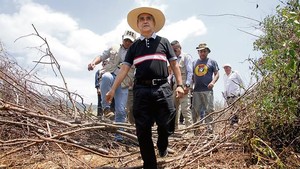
(181, 86)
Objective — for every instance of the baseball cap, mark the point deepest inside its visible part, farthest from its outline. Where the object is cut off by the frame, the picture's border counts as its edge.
(129, 35)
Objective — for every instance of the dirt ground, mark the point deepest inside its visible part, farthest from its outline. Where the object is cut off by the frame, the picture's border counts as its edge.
(223, 159)
(126, 155)
(219, 159)
(92, 145)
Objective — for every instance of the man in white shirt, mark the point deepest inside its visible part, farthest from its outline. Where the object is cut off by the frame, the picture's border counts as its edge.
(233, 85)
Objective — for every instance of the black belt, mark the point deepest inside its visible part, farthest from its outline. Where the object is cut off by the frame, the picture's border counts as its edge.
(152, 82)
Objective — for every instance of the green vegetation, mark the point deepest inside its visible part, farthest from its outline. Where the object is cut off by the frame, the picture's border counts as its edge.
(275, 133)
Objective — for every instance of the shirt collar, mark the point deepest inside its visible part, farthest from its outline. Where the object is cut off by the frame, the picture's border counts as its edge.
(152, 36)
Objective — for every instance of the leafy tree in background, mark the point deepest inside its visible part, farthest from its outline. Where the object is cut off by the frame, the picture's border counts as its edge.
(275, 133)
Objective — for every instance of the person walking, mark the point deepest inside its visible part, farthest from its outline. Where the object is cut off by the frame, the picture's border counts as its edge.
(116, 55)
(206, 74)
(186, 67)
(153, 96)
(233, 85)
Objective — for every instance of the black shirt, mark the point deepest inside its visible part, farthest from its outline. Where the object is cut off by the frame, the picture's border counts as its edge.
(150, 57)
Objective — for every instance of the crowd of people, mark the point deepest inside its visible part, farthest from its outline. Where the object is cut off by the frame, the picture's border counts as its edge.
(147, 80)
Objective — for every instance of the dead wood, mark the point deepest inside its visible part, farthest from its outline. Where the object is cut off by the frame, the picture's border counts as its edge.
(37, 127)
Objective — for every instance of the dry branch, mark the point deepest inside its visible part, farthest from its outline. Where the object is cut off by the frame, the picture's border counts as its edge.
(34, 124)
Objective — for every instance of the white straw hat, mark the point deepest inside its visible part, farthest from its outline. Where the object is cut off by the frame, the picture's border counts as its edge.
(158, 16)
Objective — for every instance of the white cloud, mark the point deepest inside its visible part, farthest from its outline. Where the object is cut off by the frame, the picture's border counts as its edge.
(72, 46)
(47, 20)
(184, 29)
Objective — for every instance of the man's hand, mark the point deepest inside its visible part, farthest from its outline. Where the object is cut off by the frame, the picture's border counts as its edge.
(91, 66)
(186, 90)
(179, 92)
(109, 96)
(98, 91)
(210, 85)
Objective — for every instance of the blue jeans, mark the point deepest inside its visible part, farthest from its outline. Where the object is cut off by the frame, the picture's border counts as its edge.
(120, 98)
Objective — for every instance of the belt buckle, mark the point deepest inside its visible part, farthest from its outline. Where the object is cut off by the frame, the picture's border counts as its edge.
(154, 82)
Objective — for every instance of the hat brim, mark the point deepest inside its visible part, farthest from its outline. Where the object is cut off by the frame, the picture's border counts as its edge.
(203, 48)
(226, 65)
(128, 37)
(159, 18)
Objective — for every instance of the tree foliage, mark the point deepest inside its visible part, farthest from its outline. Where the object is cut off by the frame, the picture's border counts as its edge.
(277, 103)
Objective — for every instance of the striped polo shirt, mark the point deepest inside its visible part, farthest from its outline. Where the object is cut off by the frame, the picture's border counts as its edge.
(150, 57)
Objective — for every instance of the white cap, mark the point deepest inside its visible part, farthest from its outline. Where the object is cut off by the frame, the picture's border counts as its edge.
(129, 35)
(227, 64)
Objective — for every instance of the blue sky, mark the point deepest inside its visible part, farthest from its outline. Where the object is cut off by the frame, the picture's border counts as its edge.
(79, 30)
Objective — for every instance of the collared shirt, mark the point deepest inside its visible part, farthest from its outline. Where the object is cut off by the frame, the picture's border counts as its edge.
(233, 84)
(150, 57)
(152, 36)
(188, 64)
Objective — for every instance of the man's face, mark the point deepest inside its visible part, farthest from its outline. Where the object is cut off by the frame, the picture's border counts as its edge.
(127, 43)
(177, 49)
(203, 54)
(145, 23)
(227, 69)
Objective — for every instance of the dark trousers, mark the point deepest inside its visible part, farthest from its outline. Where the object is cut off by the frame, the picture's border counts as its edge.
(234, 119)
(99, 106)
(153, 104)
(181, 119)
(112, 105)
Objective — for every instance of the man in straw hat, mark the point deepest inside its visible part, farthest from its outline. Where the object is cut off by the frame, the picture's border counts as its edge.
(153, 100)
(206, 74)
